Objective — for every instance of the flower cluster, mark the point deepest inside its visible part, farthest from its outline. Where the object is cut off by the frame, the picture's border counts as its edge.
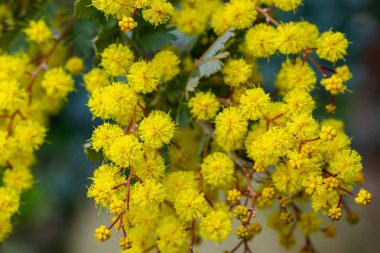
(33, 86)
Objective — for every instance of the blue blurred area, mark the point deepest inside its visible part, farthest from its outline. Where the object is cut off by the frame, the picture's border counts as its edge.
(62, 171)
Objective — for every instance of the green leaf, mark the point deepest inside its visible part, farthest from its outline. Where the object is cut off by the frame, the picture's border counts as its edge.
(84, 10)
(209, 63)
(81, 37)
(183, 115)
(106, 37)
(91, 154)
(150, 39)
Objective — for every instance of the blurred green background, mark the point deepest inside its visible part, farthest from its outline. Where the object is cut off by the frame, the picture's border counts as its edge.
(56, 216)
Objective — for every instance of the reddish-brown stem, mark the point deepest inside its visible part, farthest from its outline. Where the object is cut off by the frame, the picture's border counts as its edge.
(246, 247)
(332, 99)
(208, 201)
(134, 11)
(268, 17)
(306, 55)
(347, 191)
(12, 118)
(149, 249)
(250, 210)
(340, 200)
(236, 247)
(302, 142)
(116, 220)
(328, 69)
(146, 113)
(120, 185)
(127, 193)
(191, 249)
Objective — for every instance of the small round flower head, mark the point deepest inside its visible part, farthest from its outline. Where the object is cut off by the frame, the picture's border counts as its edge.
(117, 206)
(332, 46)
(330, 183)
(166, 63)
(95, 79)
(172, 236)
(12, 95)
(260, 40)
(149, 194)
(287, 241)
(104, 135)
(230, 129)
(286, 217)
(311, 32)
(329, 231)
(74, 65)
(190, 204)
(102, 234)
(268, 193)
(312, 184)
(346, 164)
(9, 201)
(18, 178)
(116, 8)
(327, 133)
(236, 72)
(335, 213)
(240, 14)
(125, 150)
(116, 59)
(157, 129)
(242, 232)
(216, 226)
(127, 24)
(299, 101)
(31, 133)
(125, 243)
(38, 31)
(254, 103)
(143, 77)
(309, 223)
(290, 38)
(241, 213)
(298, 76)
(204, 105)
(344, 73)
(287, 5)
(158, 12)
(352, 218)
(330, 109)
(190, 22)
(112, 101)
(233, 196)
(219, 21)
(334, 85)
(364, 197)
(217, 169)
(57, 83)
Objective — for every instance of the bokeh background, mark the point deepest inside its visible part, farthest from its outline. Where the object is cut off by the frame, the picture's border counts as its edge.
(56, 216)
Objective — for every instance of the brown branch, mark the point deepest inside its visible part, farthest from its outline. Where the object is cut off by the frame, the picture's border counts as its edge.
(268, 17)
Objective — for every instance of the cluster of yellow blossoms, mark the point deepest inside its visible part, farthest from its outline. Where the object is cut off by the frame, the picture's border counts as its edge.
(243, 150)
(33, 86)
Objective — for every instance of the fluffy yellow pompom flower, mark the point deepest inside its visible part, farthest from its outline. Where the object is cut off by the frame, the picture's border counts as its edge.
(295, 76)
(149, 194)
(116, 8)
(344, 73)
(105, 178)
(9, 202)
(5, 228)
(364, 197)
(260, 40)
(240, 14)
(126, 150)
(236, 72)
(13, 66)
(234, 196)
(12, 95)
(158, 12)
(299, 101)
(230, 129)
(172, 235)
(334, 85)
(268, 193)
(204, 106)
(157, 129)
(216, 226)
(74, 65)
(104, 136)
(190, 204)
(102, 234)
(30, 133)
(38, 31)
(143, 77)
(127, 24)
(151, 166)
(190, 21)
(95, 79)
(287, 5)
(217, 169)
(309, 223)
(18, 178)
(290, 38)
(346, 164)
(57, 83)
(112, 101)
(116, 59)
(311, 33)
(166, 63)
(254, 103)
(332, 46)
